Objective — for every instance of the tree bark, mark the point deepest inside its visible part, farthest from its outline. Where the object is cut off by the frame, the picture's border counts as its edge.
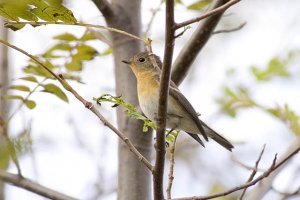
(3, 105)
(134, 181)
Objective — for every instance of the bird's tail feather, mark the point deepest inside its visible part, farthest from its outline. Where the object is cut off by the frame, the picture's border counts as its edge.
(217, 137)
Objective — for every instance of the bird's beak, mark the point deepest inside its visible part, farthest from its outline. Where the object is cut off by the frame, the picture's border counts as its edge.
(126, 62)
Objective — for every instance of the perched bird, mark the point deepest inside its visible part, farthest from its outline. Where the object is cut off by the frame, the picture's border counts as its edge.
(180, 113)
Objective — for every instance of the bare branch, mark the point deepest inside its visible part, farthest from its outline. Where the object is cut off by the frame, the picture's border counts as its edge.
(266, 185)
(88, 105)
(171, 171)
(194, 45)
(32, 186)
(163, 102)
(253, 172)
(250, 168)
(105, 7)
(79, 24)
(270, 170)
(230, 30)
(154, 12)
(216, 11)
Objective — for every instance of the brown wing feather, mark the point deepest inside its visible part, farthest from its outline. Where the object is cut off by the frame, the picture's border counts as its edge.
(176, 94)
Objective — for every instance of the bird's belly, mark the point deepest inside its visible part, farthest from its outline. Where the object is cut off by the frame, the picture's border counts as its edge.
(149, 106)
(176, 117)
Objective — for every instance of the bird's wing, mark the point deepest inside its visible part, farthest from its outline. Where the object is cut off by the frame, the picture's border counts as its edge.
(176, 94)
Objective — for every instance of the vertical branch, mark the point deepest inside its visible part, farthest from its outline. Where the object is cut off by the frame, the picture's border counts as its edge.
(171, 171)
(163, 102)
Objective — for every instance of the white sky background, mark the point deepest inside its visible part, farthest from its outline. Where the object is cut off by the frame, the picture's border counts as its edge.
(71, 146)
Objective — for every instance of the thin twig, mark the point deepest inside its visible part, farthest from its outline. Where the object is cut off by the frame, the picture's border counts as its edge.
(154, 12)
(24, 100)
(87, 104)
(270, 170)
(171, 171)
(250, 168)
(208, 14)
(79, 24)
(163, 102)
(231, 29)
(253, 172)
(33, 186)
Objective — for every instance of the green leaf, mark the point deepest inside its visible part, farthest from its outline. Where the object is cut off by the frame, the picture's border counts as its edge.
(43, 15)
(14, 27)
(83, 48)
(130, 110)
(30, 104)
(74, 65)
(60, 46)
(84, 52)
(4, 156)
(51, 88)
(87, 36)
(13, 97)
(276, 67)
(233, 100)
(41, 4)
(199, 5)
(30, 79)
(31, 69)
(66, 37)
(19, 10)
(107, 52)
(20, 87)
(60, 12)
(5, 13)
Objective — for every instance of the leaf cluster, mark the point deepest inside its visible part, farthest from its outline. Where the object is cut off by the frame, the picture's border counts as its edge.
(130, 110)
(236, 98)
(35, 10)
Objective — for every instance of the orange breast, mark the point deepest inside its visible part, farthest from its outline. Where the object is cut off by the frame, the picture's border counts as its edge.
(147, 85)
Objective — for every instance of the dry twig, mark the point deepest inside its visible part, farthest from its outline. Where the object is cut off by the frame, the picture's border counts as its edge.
(208, 14)
(32, 186)
(271, 169)
(171, 171)
(253, 172)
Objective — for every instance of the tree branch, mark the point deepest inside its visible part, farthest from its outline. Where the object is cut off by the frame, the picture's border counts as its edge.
(266, 185)
(163, 102)
(254, 171)
(171, 171)
(7, 24)
(216, 11)
(230, 30)
(271, 169)
(88, 105)
(105, 7)
(194, 45)
(32, 186)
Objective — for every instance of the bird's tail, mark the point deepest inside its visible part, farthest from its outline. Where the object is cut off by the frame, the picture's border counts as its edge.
(217, 137)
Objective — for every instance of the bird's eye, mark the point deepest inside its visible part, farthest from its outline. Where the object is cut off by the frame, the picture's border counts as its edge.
(141, 60)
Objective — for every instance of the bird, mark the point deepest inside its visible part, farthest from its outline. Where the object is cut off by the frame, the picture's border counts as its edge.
(180, 113)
